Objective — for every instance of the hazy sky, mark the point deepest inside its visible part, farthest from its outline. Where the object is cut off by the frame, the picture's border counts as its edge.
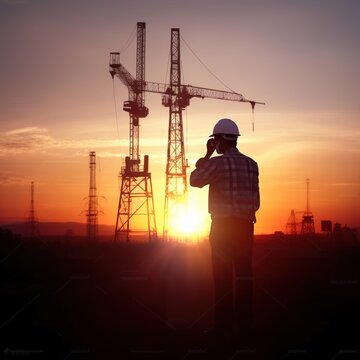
(56, 100)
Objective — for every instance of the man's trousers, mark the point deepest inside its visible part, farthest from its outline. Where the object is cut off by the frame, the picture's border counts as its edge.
(231, 242)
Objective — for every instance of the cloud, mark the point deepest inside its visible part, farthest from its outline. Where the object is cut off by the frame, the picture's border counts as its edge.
(26, 139)
(38, 140)
(10, 179)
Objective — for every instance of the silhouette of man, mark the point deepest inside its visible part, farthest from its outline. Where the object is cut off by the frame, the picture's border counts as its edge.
(233, 200)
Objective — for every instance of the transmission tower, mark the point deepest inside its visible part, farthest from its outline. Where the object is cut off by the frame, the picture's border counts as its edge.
(136, 195)
(307, 224)
(291, 225)
(92, 212)
(33, 220)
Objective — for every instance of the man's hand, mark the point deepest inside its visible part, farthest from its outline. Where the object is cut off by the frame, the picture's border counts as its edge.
(210, 146)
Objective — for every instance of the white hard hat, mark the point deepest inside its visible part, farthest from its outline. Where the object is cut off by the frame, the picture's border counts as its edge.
(226, 127)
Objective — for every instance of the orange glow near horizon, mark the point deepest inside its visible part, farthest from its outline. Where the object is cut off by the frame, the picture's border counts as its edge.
(59, 104)
(60, 171)
(186, 223)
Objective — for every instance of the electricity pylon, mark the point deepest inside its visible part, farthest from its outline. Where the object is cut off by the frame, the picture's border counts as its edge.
(307, 224)
(92, 212)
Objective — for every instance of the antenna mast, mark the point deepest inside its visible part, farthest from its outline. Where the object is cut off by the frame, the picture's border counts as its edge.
(33, 221)
(92, 213)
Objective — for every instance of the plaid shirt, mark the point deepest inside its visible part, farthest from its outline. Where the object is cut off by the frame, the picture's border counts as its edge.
(234, 184)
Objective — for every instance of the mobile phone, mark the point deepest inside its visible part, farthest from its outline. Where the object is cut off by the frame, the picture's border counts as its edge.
(212, 142)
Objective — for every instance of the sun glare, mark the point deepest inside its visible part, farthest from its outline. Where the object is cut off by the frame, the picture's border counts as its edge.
(187, 224)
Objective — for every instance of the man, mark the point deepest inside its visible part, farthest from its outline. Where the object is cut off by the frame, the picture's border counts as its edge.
(233, 200)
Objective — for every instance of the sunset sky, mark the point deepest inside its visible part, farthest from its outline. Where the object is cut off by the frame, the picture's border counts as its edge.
(56, 101)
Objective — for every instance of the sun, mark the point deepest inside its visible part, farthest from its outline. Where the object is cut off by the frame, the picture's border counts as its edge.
(186, 223)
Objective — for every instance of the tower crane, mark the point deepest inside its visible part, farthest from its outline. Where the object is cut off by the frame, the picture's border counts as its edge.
(176, 97)
(136, 186)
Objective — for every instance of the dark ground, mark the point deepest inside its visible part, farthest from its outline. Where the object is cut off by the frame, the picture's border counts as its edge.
(153, 301)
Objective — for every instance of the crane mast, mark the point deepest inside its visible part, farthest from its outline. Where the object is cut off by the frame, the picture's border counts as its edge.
(176, 182)
(137, 110)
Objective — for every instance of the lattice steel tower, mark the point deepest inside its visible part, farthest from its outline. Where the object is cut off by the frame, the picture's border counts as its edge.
(307, 224)
(291, 225)
(136, 195)
(92, 212)
(176, 100)
(33, 220)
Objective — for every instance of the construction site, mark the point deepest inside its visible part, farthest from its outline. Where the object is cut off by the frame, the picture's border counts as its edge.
(136, 192)
(144, 292)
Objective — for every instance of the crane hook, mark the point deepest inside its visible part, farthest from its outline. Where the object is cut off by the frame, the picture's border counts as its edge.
(252, 109)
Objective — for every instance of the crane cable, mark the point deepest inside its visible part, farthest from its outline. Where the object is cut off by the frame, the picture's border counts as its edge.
(128, 41)
(122, 50)
(186, 118)
(205, 66)
(166, 74)
(167, 66)
(253, 116)
(217, 78)
(116, 113)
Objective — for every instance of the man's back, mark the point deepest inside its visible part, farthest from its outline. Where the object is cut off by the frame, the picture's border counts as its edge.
(234, 186)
